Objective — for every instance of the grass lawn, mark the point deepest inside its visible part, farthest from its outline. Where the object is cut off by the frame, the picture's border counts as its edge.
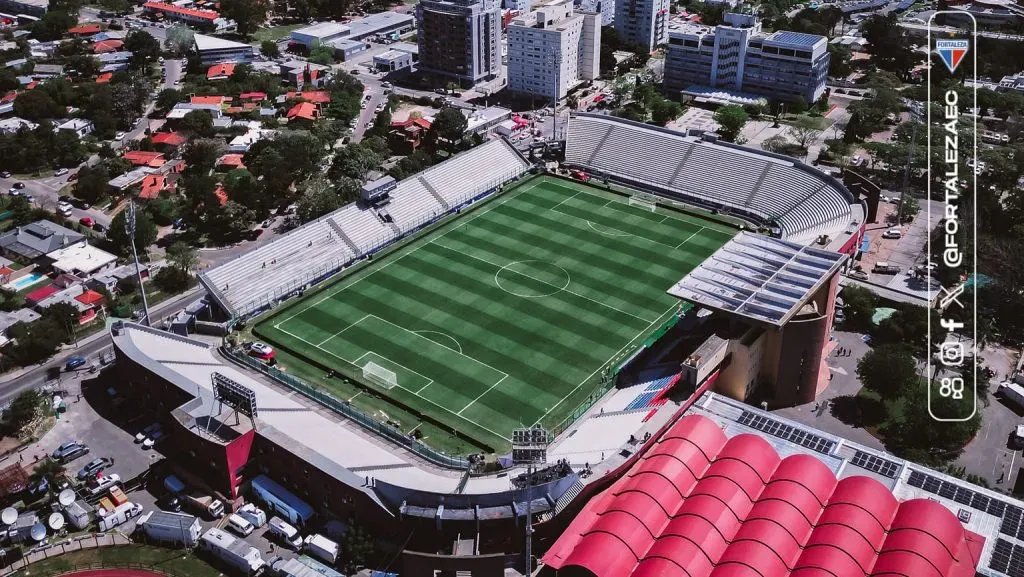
(274, 32)
(508, 316)
(167, 561)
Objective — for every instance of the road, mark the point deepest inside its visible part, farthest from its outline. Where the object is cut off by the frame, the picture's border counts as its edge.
(90, 349)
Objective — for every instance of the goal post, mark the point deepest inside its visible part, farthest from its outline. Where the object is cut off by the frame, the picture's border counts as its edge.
(379, 375)
(644, 201)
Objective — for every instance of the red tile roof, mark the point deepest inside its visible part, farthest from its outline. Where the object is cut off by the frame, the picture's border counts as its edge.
(104, 78)
(253, 96)
(221, 194)
(31, 85)
(6, 271)
(9, 97)
(107, 46)
(89, 297)
(152, 184)
(40, 294)
(168, 138)
(171, 9)
(233, 110)
(698, 503)
(83, 29)
(303, 110)
(143, 158)
(222, 70)
(315, 96)
(231, 160)
(209, 100)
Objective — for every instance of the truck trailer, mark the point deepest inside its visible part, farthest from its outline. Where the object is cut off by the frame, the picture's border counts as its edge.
(322, 548)
(170, 528)
(1012, 392)
(233, 552)
(281, 501)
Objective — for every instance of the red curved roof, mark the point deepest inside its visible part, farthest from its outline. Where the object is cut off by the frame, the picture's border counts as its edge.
(698, 504)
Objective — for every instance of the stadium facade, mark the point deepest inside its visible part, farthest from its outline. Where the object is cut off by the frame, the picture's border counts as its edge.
(672, 474)
(737, 56)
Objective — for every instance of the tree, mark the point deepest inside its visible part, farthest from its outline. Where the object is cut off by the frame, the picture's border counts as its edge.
(664, 111)
(36, 105)
(888, 44)
(198, 123)
(93, 183)
(859, 307)
(167, 98)
(247, 14)
(912, 434)
(776, 143)
(53, 25)
(179, 39)
(23, 410)
(889, 370)
(183, 257)
(322, 55)
(908, 326)
(731, 119)
(357, 546)
(269, 49)
(353, 161)
(145, 233)
(839, 61)
(805, 128)
(144, 48)
(201, 154)
(320, 199)
(798, 105)
(449, 125)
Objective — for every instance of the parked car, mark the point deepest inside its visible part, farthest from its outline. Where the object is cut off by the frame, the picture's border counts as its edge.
(29, 198)
(74, 363)
(60, 172)
(13, 191)
(885, 268)
(99, 227)
(893, 233)
(153, 439)
(119, 136)
(5, 174)
(86, 221)
(170, 503)
(147, 432)
(69, 451)
(94, 467)
(261, 351)
(79, 203)
(858, 274)
(18, 185)
(39, 486)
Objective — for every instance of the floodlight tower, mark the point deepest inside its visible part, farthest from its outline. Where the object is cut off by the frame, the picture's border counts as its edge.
(129, 230)
(530, 447)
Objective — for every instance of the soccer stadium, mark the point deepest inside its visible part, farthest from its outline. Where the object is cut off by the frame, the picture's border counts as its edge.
(646, 318)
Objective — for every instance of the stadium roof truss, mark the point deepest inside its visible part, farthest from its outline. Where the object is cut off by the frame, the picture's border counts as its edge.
(760, 278)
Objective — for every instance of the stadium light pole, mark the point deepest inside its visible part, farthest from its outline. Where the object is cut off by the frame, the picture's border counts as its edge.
(129, 229)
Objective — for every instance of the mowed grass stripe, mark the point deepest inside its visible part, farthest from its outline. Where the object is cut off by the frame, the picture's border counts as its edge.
(548, 346)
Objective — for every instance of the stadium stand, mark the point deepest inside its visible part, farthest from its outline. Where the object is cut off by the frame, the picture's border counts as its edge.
(316, 250)
(760, 186)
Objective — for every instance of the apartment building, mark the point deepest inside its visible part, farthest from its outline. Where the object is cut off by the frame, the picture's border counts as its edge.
(606, 8)
(737, 56)
(643, 22)
(553, 49)
(460, 39)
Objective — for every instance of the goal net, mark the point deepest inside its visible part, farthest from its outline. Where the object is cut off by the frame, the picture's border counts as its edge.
(643, 201)
(378, 374)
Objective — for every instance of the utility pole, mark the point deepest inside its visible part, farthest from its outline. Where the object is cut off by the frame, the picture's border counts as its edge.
(906, 173)
(129, 229)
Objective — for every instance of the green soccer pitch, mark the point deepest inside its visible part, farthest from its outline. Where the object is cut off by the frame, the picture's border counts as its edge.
(506, 316)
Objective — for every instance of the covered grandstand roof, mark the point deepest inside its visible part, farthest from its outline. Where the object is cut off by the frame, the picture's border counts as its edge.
(700, 502)
(760, 278)
(323, 247)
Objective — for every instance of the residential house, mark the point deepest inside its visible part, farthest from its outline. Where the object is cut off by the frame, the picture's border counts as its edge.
(104, 46)
(303, 113)
(152, 186)
(104, 78)
(408, 134)
(28, 243)
(85, 29)
(86, 301)
(81, 260)
(130, 178)
(167, 141)
(47, 71)
(145, 158)
(230, 162)
(304, 74)
(182, 108)
(14, 124)
(221, 71)
(9, 319)
(109, 279)
(79, 126)
(202, 19)
(241, 143)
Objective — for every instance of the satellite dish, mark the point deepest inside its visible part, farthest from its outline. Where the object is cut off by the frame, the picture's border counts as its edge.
(56, 522)
(9, 515)
(38, 532)
(66, 498)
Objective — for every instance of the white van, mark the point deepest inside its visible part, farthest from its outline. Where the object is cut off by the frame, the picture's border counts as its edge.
(893, 233)
(285, 533)
(105, 482)
(252, 514)
(239, 525)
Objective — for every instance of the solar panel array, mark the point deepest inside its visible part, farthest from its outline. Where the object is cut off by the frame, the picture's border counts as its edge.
(1008, 558)
(875, 464)
(1010, 514)
(787, 432)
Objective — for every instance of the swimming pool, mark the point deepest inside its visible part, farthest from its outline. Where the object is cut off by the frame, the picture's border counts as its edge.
(25, 281)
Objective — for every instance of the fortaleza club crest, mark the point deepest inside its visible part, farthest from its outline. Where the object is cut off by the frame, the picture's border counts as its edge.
(952, 52)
